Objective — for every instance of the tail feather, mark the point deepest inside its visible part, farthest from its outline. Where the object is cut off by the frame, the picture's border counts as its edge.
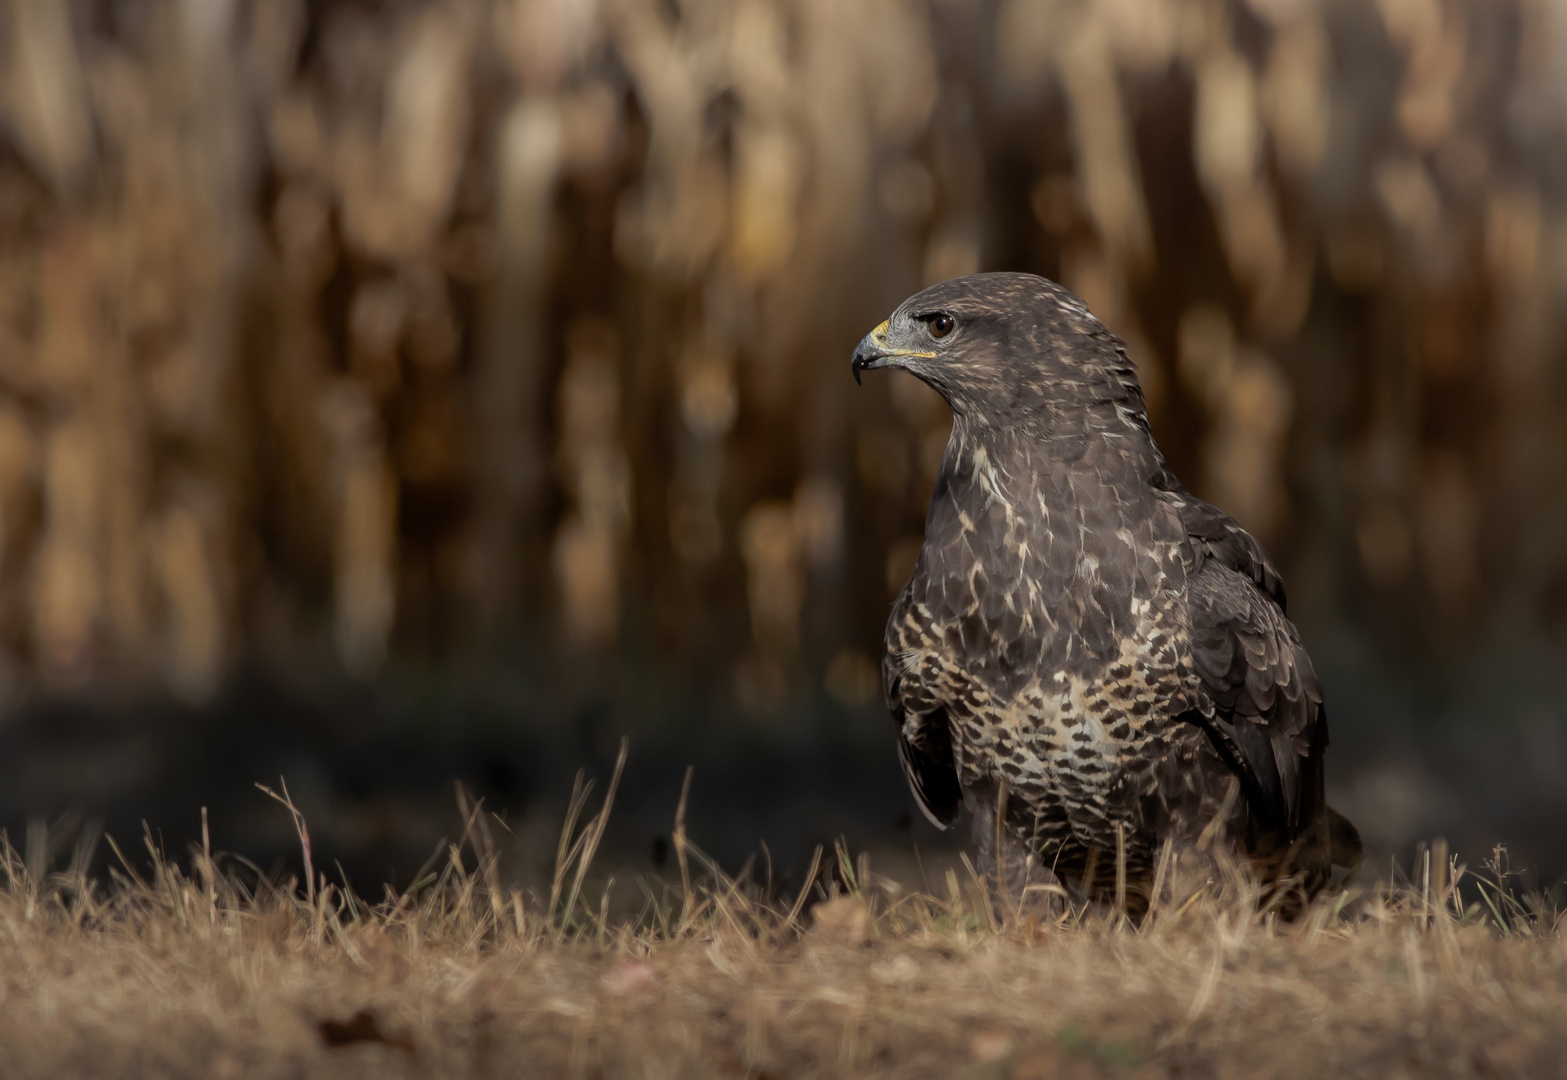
(1344, 844)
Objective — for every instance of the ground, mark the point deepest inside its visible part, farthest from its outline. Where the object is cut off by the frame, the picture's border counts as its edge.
(206, 972)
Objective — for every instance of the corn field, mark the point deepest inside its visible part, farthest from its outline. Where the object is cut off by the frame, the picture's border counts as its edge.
(405, 332)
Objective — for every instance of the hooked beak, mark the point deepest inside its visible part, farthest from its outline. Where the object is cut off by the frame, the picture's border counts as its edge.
(874, 352)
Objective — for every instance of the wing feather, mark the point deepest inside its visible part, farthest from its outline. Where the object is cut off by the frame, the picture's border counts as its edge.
(1263, 699)
(924, 736)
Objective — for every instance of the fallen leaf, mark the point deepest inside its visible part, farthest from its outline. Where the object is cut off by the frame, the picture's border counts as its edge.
(990, 1045)
(631, 978)
(362, 1027)
(1511, 1053)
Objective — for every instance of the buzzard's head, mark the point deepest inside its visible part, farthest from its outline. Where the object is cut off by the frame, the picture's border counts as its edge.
(1008, 348)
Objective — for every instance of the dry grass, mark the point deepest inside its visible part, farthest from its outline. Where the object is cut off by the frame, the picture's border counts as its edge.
(202, 972)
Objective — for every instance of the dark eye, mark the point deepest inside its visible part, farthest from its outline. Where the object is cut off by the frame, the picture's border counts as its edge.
(941, 325)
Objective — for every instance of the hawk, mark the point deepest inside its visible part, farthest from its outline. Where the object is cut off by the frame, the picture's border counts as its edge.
(1088, 659)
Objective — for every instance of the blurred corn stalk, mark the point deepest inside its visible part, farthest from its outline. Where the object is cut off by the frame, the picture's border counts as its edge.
(391, 330)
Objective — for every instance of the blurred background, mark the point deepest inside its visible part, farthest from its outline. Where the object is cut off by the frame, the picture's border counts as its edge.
(394, 392)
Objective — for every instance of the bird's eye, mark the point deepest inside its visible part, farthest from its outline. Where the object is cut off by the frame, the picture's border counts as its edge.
(941, 325)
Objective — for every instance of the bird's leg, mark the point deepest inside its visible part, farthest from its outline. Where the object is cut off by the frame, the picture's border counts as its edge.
(1018, 885)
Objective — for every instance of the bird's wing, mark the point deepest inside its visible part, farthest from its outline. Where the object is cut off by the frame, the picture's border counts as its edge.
(924, 737)
(1215, 535)
(1264, 704)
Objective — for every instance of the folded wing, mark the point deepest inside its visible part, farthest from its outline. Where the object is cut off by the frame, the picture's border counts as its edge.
(1261, 703)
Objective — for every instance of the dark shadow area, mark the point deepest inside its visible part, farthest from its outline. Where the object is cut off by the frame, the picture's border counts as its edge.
(374, 772)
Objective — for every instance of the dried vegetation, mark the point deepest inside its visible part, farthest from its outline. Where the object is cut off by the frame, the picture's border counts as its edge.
(378, 328)
(212, 970)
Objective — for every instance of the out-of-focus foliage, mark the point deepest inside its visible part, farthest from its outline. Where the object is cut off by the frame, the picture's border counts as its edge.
(391, 329)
